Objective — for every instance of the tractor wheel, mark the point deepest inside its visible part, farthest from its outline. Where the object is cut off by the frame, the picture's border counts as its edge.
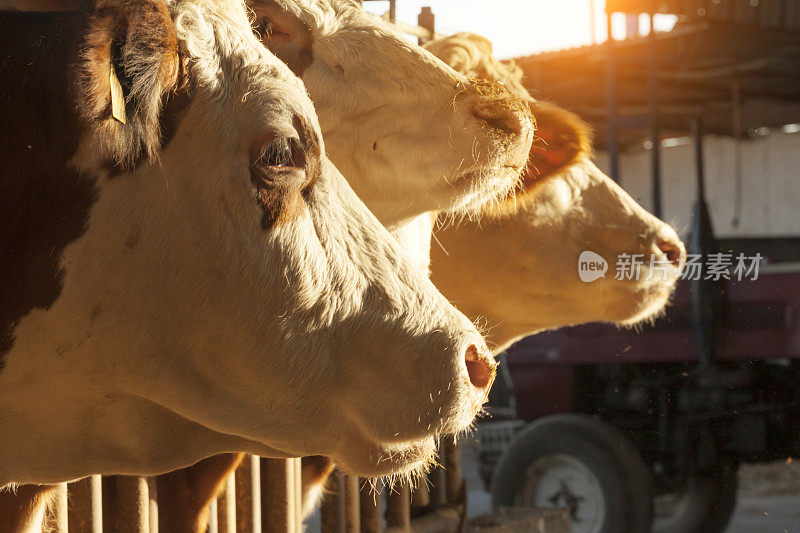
(583, 464)
(704, 506)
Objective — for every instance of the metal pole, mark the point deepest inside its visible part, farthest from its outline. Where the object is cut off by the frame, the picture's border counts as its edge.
(371, 507)
(281, 496)
(736, 96)
(611, 105)
(703, 293)
(352, 504)
(86, 505)
(126, 504)
(248, 495)
(655, 134)
(453, 473)
(398, 506)
(393, 10)
(332, 512)
(426, 20)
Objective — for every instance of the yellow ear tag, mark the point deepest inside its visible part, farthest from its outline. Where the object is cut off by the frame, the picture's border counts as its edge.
(117, 97)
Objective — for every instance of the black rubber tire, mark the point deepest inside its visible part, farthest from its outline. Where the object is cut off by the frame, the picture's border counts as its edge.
(709, 503)
(624, 479)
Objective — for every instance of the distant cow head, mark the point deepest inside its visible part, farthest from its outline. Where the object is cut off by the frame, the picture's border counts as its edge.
(525, 252)
(410, 134)
(211, 287)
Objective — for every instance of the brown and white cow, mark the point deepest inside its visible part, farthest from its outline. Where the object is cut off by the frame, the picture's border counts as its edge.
(525, 250)
(197, 277)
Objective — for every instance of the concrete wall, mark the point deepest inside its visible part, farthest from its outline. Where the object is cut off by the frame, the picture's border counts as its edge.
(771, 184)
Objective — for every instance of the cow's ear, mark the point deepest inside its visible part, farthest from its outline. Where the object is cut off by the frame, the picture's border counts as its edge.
(127, 69)
(285, 34)
(561, 140)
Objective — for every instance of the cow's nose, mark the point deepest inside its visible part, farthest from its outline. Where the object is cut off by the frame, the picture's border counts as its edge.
(480, 366)
(504, 114)
(674, 250)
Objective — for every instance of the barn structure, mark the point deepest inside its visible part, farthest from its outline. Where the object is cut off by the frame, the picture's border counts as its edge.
(731, 67)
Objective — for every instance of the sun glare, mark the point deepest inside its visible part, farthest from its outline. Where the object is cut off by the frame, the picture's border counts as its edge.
(521, 27)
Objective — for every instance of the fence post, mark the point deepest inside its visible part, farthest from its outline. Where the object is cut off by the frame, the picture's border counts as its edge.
(213, 517)
(126, 504)
(398, 506)
(426, 20)
(371, 502)
(226, 507)
(282, 497)
(438, 479)
(453, 474)
(248, 495)
(85, 505)
(352, 504)
(421, 497)
(60, 509)
(333, 510)
(152, 494)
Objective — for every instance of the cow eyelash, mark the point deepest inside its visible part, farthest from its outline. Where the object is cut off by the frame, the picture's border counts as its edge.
(281, 152)
(263, 28)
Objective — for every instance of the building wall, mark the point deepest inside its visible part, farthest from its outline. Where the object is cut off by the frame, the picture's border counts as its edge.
(770, 178)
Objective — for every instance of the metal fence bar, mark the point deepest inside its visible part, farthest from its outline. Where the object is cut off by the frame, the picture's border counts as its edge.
(454, 478)
(421, 495)
(226, 507)
(152, 504)
(248, 495)
(281, 483)
(438, 480)
(85, 503)
(213, 518)
(126, 505)
(59, 522)
(398, 506)
(333, 511)
(352, 504)
(371, 503)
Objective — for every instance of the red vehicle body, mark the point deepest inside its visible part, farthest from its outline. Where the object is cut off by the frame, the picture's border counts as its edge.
(686, 421)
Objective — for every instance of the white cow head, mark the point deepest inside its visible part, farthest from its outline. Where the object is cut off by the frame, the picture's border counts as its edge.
(410, 134)
(519, 268)
(225, 292)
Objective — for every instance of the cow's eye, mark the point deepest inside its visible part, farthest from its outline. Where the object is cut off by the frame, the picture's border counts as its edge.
(281, 152)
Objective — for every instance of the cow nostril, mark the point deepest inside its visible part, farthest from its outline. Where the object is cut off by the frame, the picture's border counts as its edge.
(480, 368)
(500, 115)
(674, 250)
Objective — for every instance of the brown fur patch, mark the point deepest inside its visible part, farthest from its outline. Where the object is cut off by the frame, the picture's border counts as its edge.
(281, 190)
(138, 39)
(562, 139)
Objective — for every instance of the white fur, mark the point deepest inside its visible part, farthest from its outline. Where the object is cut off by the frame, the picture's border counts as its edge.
(210, 334)
(527, 262)
(397, 121)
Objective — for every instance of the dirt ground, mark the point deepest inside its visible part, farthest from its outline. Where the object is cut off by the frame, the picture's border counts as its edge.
(769, 499)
